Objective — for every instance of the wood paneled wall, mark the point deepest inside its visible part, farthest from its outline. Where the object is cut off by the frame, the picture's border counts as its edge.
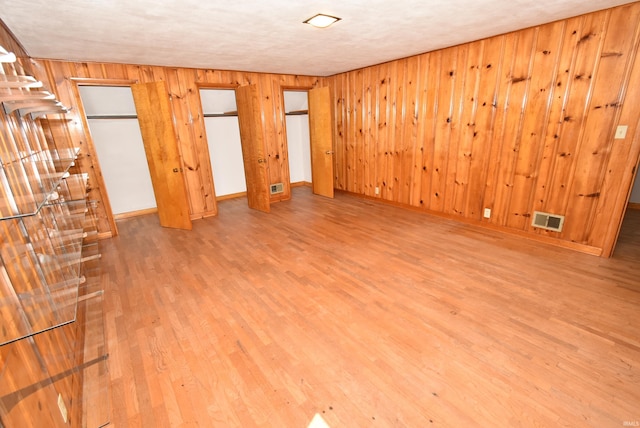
(184, 84)
(517, 123)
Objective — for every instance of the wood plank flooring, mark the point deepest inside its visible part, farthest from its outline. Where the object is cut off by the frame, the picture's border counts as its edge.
(368, 315)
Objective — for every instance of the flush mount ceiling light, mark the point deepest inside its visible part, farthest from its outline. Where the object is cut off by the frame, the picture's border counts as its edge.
(321, 21)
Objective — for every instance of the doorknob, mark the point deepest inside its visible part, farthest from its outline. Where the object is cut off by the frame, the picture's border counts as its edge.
(329, 152)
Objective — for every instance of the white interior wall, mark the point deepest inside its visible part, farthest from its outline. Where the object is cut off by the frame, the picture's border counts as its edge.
(298, 137)
(223, 138)
(120, 149)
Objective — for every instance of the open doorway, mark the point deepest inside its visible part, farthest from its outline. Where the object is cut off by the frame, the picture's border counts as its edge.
(319, 128)
(223, 139)
(115, 131)
(629, 237)
(298, 141)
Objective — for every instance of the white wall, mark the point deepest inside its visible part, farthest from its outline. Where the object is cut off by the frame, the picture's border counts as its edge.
(118, 143)
(298, 137)
(223, 137)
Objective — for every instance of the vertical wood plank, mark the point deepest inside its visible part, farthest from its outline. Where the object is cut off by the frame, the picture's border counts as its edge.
(541, 84)
(412, 157)
(467, 127)
(358, 133)
(369, 124)
(501, 106)
(484, 126)
(383, 129)
(578, 89)
(625, 154)
(430, 109)
(444, 117)
(341, 148)
(603, 112)
(518, 81)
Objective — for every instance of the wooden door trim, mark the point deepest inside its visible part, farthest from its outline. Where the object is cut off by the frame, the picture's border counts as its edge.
(88, 81)
(91, 151)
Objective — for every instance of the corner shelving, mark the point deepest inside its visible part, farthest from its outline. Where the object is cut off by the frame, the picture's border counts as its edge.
(52, 340)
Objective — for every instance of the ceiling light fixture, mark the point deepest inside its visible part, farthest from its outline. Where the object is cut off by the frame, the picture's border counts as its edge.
(321, 21)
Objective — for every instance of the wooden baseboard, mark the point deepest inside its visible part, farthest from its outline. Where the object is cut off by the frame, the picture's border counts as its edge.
(130, 214)
(301, 184)
(231, 196)
(633, 206)
(583, 248)
(104, 235)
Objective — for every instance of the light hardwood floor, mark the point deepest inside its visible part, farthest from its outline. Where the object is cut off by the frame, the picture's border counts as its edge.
(369, 315)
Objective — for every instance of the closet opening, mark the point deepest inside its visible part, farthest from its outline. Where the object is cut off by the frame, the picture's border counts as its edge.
(298, 140)
(223, 139)
(115, 131)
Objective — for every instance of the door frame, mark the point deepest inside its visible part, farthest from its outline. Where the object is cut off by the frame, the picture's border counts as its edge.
(213, 86)
(91, 148)
(221, 86)
(306, 89)
(284, 89)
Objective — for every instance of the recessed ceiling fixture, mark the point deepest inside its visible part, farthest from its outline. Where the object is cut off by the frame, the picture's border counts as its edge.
(321, 20)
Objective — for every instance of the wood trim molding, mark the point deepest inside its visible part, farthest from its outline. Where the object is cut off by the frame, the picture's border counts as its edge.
(231, 196)
(633, 206)
(137, 213)
(86, 81)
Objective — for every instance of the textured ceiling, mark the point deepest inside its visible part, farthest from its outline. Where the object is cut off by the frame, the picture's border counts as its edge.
(268, 36)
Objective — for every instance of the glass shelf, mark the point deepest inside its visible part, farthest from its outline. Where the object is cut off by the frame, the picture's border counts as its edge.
(52, 338)
(41, 257)
(29, 183)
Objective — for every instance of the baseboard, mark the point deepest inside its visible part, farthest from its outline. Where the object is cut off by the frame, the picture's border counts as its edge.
(130, 214)
(231, 196)
(301, 184)
(633, 206)
(583, 248)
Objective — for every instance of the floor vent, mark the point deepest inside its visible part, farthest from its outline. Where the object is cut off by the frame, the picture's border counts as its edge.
(548, 221)
(276, 188)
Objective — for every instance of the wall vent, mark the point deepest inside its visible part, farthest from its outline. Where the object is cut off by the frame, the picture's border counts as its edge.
(548, 221)
(276, 188)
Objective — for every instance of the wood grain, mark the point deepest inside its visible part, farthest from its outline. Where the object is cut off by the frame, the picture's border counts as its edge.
(253, 147)
(530, 130)
(184, 85)
(516, 123)
(321, 141)
(162, 152)
(264, 320)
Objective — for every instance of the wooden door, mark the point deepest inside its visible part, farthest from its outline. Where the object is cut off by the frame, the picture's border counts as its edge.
(158, 135)
(252, 140)
(321, 136)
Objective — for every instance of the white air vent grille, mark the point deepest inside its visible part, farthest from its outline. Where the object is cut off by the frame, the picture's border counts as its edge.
(276, 188)
(548, 221)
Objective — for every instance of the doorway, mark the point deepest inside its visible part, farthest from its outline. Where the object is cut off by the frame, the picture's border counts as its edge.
(629, 236)
(115, 131)
(223, 139)
(298, 141)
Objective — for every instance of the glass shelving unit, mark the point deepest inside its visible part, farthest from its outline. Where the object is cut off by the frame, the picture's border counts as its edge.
(52, 338)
